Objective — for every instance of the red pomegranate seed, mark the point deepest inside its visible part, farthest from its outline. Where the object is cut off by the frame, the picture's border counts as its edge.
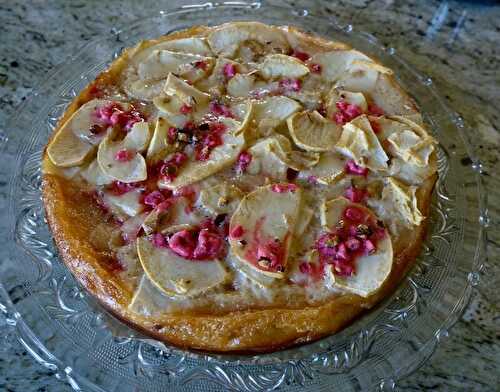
(315, 68)
(282, 188)
(124, 155)
(237, 232)
(229, 70)
(352, 167)
(356, 195)
(244, 160)
(186, 109)
(159, 241)
(302, 56)
(354, 214)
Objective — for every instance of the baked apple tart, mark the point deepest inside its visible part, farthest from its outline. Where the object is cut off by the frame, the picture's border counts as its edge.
(240, 188)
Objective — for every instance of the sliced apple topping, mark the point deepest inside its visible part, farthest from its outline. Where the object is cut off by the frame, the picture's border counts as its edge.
(355, 249)
(359, 142)
(277, 66)
(163, 142)
(312, 132)
(240, 85)
(357, 102)
(410, 147)
(191, 45)
(273, 156)
(266, 157)
(328, 170)
(174, 275)
(188, 94)
(221, 199)
(255, 276)
(336, 63)
(398, 201)
(122, 160)
(94, 175)
(227, 39)
(350, 69)
(213, 153)
(146, 90)
(76, 138)
(128, 203)
(273, 111)
(160, 63)
(362, 76)
(262, 227)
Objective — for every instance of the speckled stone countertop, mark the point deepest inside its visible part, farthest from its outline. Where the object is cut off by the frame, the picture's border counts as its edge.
(454, 42)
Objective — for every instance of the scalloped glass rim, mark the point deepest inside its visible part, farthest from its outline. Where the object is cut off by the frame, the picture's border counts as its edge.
(388, 343)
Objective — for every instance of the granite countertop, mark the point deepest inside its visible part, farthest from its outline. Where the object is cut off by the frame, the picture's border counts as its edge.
(455, 42)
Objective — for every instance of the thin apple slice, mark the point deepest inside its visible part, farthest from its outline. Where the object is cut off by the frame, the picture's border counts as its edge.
(312, 132)
(74, 141)
(338, 95)
(94, 175)
(253, 275)
(240, 85)
(399, 200)
(277, 66)
(262, 228)
(359, 142)
(122, 160)
(328, 170)
(160, 63)
(188, 94)
(146, 90)
(192, 45)
(267, 157)
(227, 39)
(337, 62)
(221, 199)
(362, 75)
(169, 106)
(277, 108)
(220, 157)
(177, 276)
(128, 204)
(371, 269)
(160, 147)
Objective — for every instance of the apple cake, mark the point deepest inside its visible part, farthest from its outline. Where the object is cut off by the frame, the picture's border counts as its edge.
(240, 188)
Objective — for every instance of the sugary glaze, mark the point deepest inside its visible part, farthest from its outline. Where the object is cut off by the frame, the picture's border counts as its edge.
(241, 187)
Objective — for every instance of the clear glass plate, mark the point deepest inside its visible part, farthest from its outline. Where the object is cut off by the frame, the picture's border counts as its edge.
(43, 307)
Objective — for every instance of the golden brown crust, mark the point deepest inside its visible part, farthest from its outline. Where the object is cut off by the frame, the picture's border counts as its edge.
(71, 216)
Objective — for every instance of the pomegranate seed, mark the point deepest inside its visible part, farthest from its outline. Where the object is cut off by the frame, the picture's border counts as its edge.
(290, 84)
(154, 198)
(375, 110)
(244, 160)
(159, 241)
(282, 188)
(237, 232)
(315, 68)
(229, 70)
(201, 64)
(354, 214)
(302, 56)
(355, 195)
(305, 268)
(124, 155)
(352, 167)
(186, 109)
(369, 247)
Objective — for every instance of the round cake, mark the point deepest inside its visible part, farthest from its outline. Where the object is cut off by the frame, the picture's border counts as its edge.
(240, 188)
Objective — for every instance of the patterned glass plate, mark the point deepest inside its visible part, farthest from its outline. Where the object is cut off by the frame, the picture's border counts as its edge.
(43, 307)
